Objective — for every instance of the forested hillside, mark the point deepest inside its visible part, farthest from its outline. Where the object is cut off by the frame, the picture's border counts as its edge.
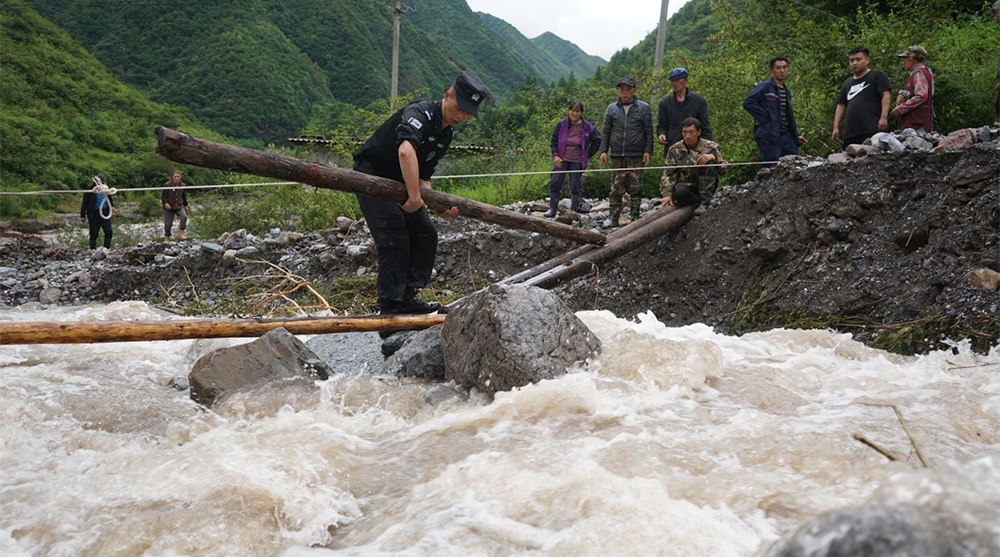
(582, 64)
(257, 68)
(64, 117)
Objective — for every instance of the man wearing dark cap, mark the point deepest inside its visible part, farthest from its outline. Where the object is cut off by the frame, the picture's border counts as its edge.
(770, 104)
(915, 102)
(628, 134)
(407, 148)
(680, 106)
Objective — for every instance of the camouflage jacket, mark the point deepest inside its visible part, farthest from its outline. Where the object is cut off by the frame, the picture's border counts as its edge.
(680, 155)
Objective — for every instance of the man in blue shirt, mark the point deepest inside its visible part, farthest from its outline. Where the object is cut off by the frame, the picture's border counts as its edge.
(770, 104)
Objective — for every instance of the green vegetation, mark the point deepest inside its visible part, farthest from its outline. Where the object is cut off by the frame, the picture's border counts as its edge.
(64, 118)
(581, 63)
(549, 56)
(262, 68)
(300, 208)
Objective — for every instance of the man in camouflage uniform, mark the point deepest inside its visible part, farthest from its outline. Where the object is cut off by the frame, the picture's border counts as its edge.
(681, 187)
(628, 134)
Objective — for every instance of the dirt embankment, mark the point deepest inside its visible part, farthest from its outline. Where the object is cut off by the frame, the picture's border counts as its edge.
(879, 246)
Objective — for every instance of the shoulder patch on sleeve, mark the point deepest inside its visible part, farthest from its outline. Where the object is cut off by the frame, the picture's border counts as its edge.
(417, 124)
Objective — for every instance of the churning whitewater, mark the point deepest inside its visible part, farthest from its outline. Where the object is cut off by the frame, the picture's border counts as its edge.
(676, 442)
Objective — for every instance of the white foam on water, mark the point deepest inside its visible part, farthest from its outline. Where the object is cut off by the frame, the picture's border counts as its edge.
(676, 441)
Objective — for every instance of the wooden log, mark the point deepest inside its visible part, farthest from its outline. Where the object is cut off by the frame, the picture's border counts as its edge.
(185, 149)
(616, 248)
(67, 332)
(569, 256)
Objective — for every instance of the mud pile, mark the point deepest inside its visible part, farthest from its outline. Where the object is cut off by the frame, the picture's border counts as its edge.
(879, 246)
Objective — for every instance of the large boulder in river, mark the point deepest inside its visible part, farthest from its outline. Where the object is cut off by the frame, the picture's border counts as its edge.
(276, 356)
(421, 355)
(876, 531)
(510, 336)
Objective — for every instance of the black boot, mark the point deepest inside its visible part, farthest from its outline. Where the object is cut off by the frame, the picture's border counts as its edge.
(550, 213)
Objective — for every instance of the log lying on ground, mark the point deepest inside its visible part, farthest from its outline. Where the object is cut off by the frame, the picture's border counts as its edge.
(616, 248)
(65, 332)
(185, 149)
(570, 256)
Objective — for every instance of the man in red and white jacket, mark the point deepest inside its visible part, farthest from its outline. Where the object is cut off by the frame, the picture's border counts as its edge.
(915, 103)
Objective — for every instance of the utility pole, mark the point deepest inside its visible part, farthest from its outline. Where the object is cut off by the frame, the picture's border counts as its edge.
(661, 36)
(394, 92)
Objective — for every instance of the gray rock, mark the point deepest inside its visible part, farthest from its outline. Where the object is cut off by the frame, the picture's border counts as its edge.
(7, 272)
(362, 270)
(888, 142)
(99, 254)
(357, 251)
(919, 143)
(35, 275)
(349, 353)
(345, 224)
(275, 232)
(276, 356)
(392, 343)
(179, 383)
(236, 240)
(289, 238)
(838, 157)
(9, 282)
(229, 258)
(247, 252)
(422, 355)
(212, 248)
(873, 531)
(511, 336)
(49, 296)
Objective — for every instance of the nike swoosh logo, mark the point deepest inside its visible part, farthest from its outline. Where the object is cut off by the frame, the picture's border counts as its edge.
(856, 89)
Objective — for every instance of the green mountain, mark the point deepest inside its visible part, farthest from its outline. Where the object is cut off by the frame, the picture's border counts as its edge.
(257, 68)
(549, 56)
(687, 30)
(64, 117)
(583, 65)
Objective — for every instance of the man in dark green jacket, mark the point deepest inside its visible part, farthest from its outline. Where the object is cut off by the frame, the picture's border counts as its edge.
(628, 135)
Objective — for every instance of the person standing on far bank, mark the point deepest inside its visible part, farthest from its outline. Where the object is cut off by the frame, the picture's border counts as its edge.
(175, 204)
(407, 148)
(915, 103)
(94, 208)
(865, 98)
(677, 107)
(573, 142)
(770, 104)
(628, 134)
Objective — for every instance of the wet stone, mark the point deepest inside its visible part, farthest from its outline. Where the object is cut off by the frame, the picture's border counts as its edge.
(274, 357)
(49, 296)
(506, 337)
(421, 355)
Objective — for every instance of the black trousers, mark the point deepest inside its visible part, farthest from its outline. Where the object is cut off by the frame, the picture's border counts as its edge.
(407, 246)
(96, 225)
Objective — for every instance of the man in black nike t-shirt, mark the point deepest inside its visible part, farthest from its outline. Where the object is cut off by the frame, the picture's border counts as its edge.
(865, 97)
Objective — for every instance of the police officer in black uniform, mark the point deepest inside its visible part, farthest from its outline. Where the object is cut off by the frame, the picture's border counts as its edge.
(407, 148)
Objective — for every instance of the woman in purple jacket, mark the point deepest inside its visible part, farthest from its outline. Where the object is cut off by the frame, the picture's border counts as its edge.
(574, 141)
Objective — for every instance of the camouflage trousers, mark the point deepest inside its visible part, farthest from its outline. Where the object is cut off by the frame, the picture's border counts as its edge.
(694, 193)
(625, 181)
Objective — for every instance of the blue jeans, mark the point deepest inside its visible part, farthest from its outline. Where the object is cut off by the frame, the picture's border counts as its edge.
(787, 144)
(575, 185)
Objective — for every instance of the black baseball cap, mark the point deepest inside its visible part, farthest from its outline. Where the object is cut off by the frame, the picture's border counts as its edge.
(469, 92)
(626, 81)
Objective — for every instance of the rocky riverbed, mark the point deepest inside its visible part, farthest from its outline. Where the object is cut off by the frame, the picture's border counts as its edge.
(899, 248)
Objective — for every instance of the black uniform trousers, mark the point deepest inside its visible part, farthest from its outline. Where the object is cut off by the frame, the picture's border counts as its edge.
(407, 246)
(97, 223)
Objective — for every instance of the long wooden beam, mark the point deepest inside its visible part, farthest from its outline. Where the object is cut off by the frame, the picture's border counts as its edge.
(185, 149)
(67, 332)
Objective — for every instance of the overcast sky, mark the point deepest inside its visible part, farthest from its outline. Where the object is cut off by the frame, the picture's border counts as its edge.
(600, 27)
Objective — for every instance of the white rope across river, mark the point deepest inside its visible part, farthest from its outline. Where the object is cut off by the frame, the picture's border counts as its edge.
(446, 177)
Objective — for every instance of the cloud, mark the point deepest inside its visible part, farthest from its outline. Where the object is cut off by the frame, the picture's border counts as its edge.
(598, 27)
